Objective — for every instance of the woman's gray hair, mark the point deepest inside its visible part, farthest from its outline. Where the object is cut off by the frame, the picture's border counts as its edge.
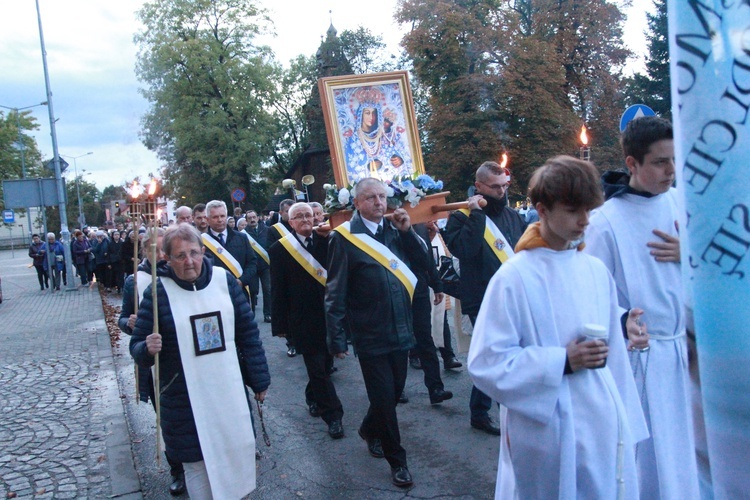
(147, 234)
(50, 234)
(182, 231)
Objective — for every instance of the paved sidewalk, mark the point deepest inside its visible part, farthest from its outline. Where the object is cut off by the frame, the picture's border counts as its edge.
(63, 432)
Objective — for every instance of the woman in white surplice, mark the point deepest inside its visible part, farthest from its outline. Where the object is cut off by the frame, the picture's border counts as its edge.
(205, 412)
(573, 415)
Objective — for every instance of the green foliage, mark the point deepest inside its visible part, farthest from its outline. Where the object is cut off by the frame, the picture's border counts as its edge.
(518, 75)
(210, 89)
(91, 203)
(365, 51)
(653, 88)
(11, 144)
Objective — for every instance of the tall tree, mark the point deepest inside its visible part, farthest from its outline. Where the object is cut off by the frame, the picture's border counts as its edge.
(210, 89)
(654, 87)
(91, 204)
(15, 141)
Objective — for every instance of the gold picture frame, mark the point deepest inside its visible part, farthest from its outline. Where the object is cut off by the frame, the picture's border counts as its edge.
(371, 126)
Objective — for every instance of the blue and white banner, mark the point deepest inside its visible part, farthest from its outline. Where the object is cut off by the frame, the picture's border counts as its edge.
(709, 45)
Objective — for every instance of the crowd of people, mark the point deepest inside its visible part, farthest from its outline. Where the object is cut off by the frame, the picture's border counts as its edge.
(578, 354)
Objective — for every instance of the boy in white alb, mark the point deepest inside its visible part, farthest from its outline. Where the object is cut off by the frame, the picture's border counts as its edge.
(635, 235)
(573, 415)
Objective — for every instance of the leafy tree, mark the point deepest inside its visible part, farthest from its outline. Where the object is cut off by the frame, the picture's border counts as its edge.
(210, 89)
(366, 52)
(13, 144)
(515, 75)
(91, 203)
(654, 88)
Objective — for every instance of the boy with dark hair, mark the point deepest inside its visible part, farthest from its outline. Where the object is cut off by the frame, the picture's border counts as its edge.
(635, 235)
(573, 414)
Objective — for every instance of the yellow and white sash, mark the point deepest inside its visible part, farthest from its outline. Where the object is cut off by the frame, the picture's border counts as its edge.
(222, 254)
(304, 258)
(281, 228)
(257, 247)
(382, 255)
(495, 239)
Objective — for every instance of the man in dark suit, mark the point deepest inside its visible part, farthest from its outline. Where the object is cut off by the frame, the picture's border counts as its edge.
(242, 262)
(467, 237)
(259, 232)
(298, 279)
(275, 233)
(369, 292)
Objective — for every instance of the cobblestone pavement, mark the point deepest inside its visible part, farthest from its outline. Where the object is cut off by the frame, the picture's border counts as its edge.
(62, 430)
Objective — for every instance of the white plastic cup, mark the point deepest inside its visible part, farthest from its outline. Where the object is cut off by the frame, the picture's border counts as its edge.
(593, 331)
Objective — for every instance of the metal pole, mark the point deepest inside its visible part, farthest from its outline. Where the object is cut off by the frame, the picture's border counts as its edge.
(64, 231)
(22, 146)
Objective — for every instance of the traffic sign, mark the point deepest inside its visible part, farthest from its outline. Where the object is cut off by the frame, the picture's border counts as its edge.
(9, 217)
(633, 112)
(238, 195)
(63, 165)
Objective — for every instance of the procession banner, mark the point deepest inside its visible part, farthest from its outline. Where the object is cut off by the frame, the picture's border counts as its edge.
(709, 45)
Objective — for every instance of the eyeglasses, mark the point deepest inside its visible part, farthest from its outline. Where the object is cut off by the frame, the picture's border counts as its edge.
(303, 217)
(183, 257)
(496, 187)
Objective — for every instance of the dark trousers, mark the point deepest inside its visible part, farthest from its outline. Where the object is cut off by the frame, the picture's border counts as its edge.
(116, 276)
(385, 376)
(265, 285)
(320, 389)
(479, 402)
(422, 313)
(83, 272)
(41, 275)
(446, 352)
(101, 275)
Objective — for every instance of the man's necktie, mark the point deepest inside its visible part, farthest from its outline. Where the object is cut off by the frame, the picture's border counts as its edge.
(379, 234)
(308, 243)
(221, 238)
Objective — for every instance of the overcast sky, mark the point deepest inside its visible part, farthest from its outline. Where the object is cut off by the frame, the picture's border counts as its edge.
(91, 58)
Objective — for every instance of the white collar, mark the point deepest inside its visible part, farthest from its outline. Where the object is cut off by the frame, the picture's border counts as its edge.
(372, 226)
(302, 238)
(223, 233)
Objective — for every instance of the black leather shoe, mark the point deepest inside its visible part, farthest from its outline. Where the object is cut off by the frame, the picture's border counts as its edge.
(291, 352)
(439, 395)
(335, 429)
(313, 409)
(373, 445)
(415, 363)
(403, 398)
(266, 318)
(401, 477)
(178, 485)
(486, 426)
(451, 363)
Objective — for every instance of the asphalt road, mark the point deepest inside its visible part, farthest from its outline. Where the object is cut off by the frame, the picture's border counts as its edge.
(447, 458)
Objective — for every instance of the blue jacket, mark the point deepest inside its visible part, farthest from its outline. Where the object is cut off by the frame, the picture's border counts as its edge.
(58, 250)
(178, 424)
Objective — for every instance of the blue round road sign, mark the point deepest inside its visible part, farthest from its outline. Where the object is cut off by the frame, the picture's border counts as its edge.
(238, 195)
(633, 112)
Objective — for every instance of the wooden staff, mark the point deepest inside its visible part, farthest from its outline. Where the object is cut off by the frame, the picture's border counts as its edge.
(448, 207)
(136, 299)
(157, 385)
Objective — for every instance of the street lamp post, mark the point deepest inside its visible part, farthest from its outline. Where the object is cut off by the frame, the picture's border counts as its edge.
(81, 217)
(22, 149)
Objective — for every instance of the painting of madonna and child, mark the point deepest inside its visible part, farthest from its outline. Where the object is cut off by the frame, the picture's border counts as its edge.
(371, 127)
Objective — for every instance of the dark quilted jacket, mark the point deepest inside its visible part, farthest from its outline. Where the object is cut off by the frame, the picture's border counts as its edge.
(178, 425)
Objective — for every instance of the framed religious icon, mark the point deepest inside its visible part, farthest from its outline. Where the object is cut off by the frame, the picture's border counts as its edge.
(208, 333)
(371, 127)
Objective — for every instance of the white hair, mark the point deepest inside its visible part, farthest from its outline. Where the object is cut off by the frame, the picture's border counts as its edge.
(215, 204)
(296, 208)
